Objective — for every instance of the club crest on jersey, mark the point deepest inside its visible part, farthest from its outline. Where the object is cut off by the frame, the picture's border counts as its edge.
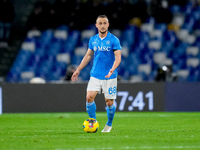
(107, 42)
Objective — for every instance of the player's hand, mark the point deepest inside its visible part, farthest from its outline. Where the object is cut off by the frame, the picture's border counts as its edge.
(110, 73)
(75, 75)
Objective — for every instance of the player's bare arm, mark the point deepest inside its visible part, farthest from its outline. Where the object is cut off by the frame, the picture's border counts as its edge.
(84, 62)
(116, 62)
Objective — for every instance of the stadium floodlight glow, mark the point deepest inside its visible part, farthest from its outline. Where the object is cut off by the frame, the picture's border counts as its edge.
(164, 68)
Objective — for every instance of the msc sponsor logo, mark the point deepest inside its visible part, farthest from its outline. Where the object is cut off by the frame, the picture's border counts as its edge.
(102, 48)
(95, 48)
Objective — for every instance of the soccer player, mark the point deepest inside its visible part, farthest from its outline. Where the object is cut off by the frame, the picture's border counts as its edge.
(106, 50)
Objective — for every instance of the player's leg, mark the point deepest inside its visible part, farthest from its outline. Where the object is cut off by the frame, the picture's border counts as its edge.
(110, 114)
(90, 104)
(110, 111)
(92, 89)
(109, 90)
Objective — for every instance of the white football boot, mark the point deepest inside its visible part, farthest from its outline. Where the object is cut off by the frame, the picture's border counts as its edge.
(106, 128)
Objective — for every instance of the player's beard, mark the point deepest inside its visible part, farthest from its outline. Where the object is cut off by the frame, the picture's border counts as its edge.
(103, 32)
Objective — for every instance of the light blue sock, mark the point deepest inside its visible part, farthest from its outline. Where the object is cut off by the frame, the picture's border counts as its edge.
(110, 114)
(91, 109)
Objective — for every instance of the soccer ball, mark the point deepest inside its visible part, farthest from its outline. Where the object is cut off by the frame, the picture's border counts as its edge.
(90, 125)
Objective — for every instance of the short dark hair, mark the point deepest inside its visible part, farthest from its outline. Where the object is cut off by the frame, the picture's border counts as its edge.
(102, 16)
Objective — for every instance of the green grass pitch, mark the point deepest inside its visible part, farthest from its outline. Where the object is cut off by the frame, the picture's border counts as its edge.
(131, 130)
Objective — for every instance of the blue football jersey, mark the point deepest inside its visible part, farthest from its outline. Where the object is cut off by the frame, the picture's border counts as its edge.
(104, 56)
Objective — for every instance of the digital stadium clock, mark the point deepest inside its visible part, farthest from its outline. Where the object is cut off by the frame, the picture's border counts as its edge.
(140, 97)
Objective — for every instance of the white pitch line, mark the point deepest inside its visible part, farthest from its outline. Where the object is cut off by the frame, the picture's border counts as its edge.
(142, 147)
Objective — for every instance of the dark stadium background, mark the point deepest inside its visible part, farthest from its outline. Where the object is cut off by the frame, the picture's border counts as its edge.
(48, 38)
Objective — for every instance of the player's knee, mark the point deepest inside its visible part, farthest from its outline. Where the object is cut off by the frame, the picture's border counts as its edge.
(89, 98)
(109, 102)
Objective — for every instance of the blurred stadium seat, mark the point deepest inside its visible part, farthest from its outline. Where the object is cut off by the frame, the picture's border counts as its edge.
(145, 48)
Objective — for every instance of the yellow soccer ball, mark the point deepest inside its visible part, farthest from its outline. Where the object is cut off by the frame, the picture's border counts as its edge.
(90, 125)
